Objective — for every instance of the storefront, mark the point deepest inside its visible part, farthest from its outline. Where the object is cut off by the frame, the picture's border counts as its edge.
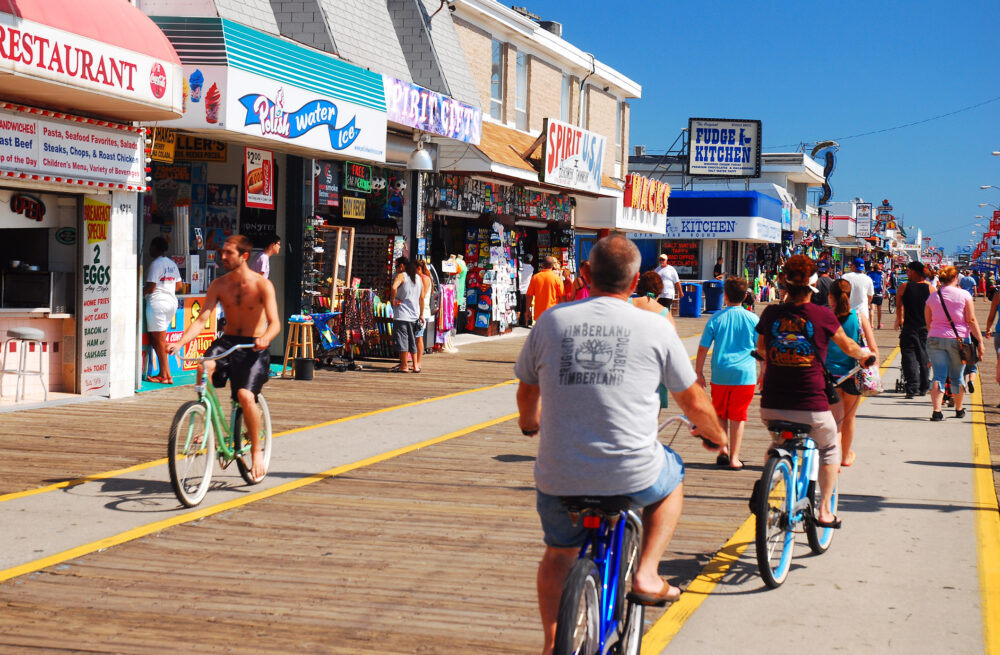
(741, 227)
(510, 196)
(71, 174)
(266, 148)
(640, 212)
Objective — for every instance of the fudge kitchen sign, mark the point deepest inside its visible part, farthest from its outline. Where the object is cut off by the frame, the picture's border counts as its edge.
(34, 50)
(262, 107)
(571, 157)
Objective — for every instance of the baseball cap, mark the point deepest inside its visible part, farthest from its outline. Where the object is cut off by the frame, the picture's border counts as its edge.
(823, 265)
(860, 263)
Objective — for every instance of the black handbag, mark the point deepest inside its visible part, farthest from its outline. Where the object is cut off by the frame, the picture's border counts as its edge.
(968, 353)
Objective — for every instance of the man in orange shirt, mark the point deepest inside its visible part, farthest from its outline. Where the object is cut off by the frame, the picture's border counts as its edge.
(545, 289)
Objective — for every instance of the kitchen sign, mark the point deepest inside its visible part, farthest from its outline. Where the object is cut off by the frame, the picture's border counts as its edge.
(65, 151)
(723, 148)
(259, 182)
(748, 228)
(571, 157)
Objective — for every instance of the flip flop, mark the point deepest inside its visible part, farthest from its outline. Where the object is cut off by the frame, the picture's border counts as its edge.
(417, 370)
(737, 468)
(850, 459)
(722, 460)
(157, 379)
(666, 595)
(834, 524)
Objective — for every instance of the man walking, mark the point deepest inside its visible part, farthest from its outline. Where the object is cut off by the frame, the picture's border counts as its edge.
(878, 287)
(968, 282)
(671, 282)
(545, 288)
(862, 289)
(823, 283)
(911, 298)
(588, 375)
(524, 279)
(262, 264)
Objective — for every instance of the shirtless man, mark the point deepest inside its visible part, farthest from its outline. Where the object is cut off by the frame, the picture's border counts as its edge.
(251, 317)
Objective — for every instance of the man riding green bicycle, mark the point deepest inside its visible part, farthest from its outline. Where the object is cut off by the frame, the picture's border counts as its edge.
(251, 311)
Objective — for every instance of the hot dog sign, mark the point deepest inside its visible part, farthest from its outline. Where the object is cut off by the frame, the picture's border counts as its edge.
(259, 182)
(571, 157)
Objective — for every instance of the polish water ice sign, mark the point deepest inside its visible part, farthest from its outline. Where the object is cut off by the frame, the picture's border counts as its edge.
(719, 147)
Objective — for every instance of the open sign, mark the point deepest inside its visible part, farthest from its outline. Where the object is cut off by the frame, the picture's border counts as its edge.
(29, 206)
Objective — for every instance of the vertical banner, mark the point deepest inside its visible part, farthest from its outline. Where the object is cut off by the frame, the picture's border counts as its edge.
(259, 183)
(95, 318)
(864, 220)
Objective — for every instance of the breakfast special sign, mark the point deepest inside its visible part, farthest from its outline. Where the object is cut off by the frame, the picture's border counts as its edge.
(571, 157)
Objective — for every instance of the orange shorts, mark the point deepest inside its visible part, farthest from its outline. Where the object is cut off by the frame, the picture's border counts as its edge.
(731, 401)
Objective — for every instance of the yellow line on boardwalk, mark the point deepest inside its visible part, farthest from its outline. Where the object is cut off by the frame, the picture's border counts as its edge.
(670, 623)
(667, 627)
(987, 525)
(156, 462)
(196, 514)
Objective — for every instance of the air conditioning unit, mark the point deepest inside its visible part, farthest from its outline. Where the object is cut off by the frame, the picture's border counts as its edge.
(551, 26)
(640, 151)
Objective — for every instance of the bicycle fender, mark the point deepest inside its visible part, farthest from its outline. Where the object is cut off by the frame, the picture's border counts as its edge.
(780, 452)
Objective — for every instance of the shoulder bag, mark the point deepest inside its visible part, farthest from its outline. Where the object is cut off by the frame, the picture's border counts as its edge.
(969, 353)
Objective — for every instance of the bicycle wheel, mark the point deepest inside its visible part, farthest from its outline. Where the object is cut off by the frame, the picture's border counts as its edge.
(191, 453)
(579, 620)
(244, 462)
(892, 304)
(819, 538)
(774, 537)
(629, 615)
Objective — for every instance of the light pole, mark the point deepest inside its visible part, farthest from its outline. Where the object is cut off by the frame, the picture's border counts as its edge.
(989, 204)
(988, 186)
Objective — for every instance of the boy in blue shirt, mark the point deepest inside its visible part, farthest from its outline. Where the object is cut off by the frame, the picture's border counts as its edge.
(734, 372)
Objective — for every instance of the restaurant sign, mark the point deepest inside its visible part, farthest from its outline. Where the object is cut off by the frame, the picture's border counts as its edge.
(723, 148)
(644, 204)
(746, 228)
(34, 50)
(571, 157)
(429, 111)
(71, 150)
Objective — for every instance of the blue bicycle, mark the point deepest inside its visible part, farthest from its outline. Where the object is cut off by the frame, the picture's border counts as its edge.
(596, 614)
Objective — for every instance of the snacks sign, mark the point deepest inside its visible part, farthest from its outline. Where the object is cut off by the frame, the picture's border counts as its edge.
(571, 157)
(259, 182)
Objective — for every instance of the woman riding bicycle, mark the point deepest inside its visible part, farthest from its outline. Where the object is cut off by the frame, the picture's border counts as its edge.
(794, 337)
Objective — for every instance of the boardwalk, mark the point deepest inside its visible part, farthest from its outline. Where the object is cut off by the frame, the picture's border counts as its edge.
(432, 551)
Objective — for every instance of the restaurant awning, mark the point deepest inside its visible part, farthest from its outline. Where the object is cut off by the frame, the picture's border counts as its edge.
(102, 57)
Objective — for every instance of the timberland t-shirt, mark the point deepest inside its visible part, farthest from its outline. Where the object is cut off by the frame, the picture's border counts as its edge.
(599, 362)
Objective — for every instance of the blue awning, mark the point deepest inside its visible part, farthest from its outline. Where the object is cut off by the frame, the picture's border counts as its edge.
(724, 203)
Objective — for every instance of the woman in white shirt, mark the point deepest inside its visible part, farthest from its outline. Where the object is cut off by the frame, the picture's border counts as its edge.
(163, 281)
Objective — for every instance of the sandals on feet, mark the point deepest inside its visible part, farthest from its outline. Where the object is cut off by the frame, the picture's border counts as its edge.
(667, 594)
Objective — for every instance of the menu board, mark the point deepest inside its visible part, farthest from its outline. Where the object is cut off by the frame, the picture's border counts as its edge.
(69, 151)
(95, 318)
(683, 257)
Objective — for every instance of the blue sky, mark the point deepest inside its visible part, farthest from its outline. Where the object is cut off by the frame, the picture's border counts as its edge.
(814, 71)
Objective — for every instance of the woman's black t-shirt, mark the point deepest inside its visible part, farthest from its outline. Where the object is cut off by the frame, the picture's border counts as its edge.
(796, 338)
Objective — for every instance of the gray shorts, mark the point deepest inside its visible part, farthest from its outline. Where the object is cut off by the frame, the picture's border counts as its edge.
(404, 336)
(558, 529)
(824, 428)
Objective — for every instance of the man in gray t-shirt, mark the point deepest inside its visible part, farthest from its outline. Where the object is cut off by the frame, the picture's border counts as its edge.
(597, 364)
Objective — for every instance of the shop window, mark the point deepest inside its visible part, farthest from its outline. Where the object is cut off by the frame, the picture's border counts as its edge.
(496, 81)
(521, 93)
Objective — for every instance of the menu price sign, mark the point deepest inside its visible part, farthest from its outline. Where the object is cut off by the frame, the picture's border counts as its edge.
(259, 182)
(164, 144)
(96, 315)
(683, 257)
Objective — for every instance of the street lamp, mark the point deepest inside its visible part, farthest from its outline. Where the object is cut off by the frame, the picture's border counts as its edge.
(988, 204)
(995, 153)
(988, 186)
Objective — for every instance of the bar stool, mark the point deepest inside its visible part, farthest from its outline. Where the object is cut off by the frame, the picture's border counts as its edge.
(23, 337)
(298, 345)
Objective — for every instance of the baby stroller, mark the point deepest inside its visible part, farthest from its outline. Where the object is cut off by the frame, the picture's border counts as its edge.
(329, 349)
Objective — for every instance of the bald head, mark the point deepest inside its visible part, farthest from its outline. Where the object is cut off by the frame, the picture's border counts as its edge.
(547, 262)
(614, 263)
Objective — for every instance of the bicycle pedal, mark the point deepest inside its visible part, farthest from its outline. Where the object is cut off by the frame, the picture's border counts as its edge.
(224, 463)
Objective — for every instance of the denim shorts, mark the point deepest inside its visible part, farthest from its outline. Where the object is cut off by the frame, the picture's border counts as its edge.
(559, 531)
(945, 361)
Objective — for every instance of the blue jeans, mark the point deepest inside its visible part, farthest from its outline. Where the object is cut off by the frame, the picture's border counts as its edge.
(945, 361)
(558, 529)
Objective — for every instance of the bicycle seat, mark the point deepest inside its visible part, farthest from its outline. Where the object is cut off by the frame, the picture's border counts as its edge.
(789, 426)
(608, 505)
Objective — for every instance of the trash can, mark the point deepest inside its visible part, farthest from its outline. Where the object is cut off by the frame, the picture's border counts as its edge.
(690, 306)
(304, 367)
(713, 295)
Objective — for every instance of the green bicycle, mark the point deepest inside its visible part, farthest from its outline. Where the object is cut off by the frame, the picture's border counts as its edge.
(199, 435)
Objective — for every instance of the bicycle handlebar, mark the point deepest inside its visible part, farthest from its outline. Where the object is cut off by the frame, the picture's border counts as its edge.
(220, 355)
